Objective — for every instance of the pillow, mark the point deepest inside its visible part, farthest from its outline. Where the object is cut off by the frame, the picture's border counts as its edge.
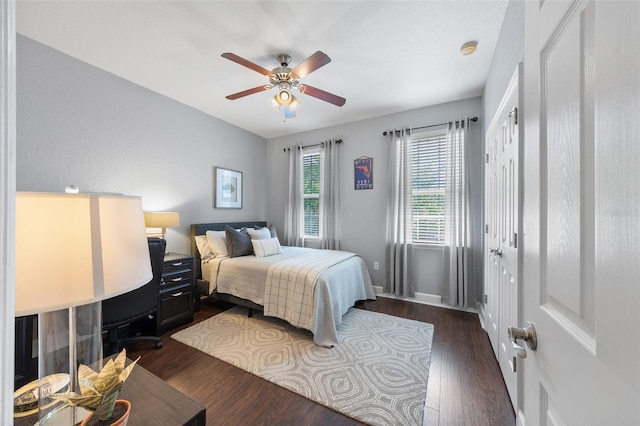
(238, 242)
(204, 248)
(218, 242)
(259, 233)
(272, 230)
(266, 247)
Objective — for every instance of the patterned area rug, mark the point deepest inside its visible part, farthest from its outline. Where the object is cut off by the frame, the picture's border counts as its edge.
(377, 375)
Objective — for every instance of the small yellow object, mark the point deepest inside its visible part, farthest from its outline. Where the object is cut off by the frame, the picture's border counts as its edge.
(469, 47)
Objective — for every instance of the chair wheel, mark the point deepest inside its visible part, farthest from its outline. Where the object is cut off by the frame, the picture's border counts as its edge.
(158, 345)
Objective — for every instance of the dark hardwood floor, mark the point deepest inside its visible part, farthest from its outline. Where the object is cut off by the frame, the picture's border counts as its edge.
(465, 385)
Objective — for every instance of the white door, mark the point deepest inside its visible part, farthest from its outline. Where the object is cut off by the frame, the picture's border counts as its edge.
(503, 226)
(492, 240)
(581, 243)
(509, 234)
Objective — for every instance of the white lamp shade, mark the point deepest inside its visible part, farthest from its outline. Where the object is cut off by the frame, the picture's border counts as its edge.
(75, 249)
(161, 219)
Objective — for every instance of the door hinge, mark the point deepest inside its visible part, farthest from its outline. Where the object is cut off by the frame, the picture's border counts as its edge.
(486, 228)
(514, 115)
(515, 240)
(486, 158)
(485, 298)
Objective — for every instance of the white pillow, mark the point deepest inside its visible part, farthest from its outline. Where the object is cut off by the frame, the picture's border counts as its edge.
(218, 242)
(259, 234)
(204, 248)
(266, 247)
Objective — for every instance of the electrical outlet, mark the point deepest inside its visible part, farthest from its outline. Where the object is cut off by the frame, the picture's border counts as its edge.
(376, 266)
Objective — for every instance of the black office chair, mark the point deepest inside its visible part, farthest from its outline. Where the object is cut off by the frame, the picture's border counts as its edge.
(134, 306)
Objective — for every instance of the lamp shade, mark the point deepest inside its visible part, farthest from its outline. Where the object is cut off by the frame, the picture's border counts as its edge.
(161, 219)
(75, 249)
(283, 97)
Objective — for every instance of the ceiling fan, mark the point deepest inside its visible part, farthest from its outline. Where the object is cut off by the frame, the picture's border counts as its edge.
(285, 79)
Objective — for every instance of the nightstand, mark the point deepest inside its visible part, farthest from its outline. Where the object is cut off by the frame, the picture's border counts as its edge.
(177, 291)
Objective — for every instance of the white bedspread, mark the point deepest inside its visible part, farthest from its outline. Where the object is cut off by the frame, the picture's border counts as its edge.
(315, 301)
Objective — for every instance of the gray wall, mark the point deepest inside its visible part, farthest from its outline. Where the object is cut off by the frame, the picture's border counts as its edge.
(509, 53)
(363, 212)
(77, 124)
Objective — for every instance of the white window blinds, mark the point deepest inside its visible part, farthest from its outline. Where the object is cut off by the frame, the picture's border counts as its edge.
(311, 194)
(428, 156)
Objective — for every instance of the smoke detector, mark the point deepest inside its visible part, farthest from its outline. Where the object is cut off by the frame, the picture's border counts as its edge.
(469, 47)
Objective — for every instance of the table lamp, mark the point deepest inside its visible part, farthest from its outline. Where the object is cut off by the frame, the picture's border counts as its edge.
(161, 221)
(72, 252)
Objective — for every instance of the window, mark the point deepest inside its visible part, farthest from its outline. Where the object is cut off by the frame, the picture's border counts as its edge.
(428, 156)
(311, 169)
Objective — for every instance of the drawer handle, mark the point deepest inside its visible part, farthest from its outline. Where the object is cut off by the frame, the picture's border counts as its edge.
(177, 264)
(176, 279)
(176, 294)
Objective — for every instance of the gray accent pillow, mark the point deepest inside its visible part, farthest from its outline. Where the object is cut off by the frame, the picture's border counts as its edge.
(238, 242)
(272, 229)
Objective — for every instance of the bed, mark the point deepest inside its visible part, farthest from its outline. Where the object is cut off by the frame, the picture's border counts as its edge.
(309, 288)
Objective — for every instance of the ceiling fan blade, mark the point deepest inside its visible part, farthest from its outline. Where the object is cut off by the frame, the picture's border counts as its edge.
(311, 64)
(237, 59)
(249, 92)
(321, 94)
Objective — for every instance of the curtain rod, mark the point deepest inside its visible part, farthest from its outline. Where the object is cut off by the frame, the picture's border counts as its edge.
(315, 144)
(386, 132)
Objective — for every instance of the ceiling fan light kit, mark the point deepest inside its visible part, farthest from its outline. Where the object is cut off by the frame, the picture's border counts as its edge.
(285, 78)
(284, 101)
(284, 97)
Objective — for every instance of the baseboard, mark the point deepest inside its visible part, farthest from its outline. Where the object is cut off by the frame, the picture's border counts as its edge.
(422, 298)
(481, 317)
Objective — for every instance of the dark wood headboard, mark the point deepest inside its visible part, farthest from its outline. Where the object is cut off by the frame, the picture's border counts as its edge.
(202, 228)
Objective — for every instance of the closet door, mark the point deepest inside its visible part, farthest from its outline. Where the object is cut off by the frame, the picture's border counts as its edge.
(492, 240)
(502, 210)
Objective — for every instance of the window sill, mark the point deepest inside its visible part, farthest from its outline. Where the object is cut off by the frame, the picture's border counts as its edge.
(427, 246)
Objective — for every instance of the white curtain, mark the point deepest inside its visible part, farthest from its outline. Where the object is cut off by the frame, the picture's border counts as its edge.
(293, 214)
(399, 241)
(457, 221)
(330, 193)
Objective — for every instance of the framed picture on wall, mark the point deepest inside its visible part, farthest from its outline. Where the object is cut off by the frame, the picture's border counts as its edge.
(227, 189)
(363, 173)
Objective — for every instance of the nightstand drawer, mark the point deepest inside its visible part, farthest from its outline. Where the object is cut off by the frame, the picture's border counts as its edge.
(176, 266)
(176, 279)
(176, 308)
(177, 292)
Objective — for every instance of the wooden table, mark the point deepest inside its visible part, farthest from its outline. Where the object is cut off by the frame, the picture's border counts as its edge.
(153, 402)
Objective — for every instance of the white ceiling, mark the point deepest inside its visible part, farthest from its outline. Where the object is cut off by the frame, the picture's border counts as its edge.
(387, 56)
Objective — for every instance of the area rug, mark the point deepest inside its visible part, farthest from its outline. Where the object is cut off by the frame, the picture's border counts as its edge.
(378, 373)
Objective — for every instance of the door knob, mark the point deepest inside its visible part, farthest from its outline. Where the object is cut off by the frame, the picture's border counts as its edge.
(496, 251)
(528, 334)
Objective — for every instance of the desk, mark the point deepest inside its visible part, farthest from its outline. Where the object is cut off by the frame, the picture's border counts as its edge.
(153, 402)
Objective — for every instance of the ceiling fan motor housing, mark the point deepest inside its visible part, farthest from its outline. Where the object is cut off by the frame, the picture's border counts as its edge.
(283, 75)
(284, 59)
